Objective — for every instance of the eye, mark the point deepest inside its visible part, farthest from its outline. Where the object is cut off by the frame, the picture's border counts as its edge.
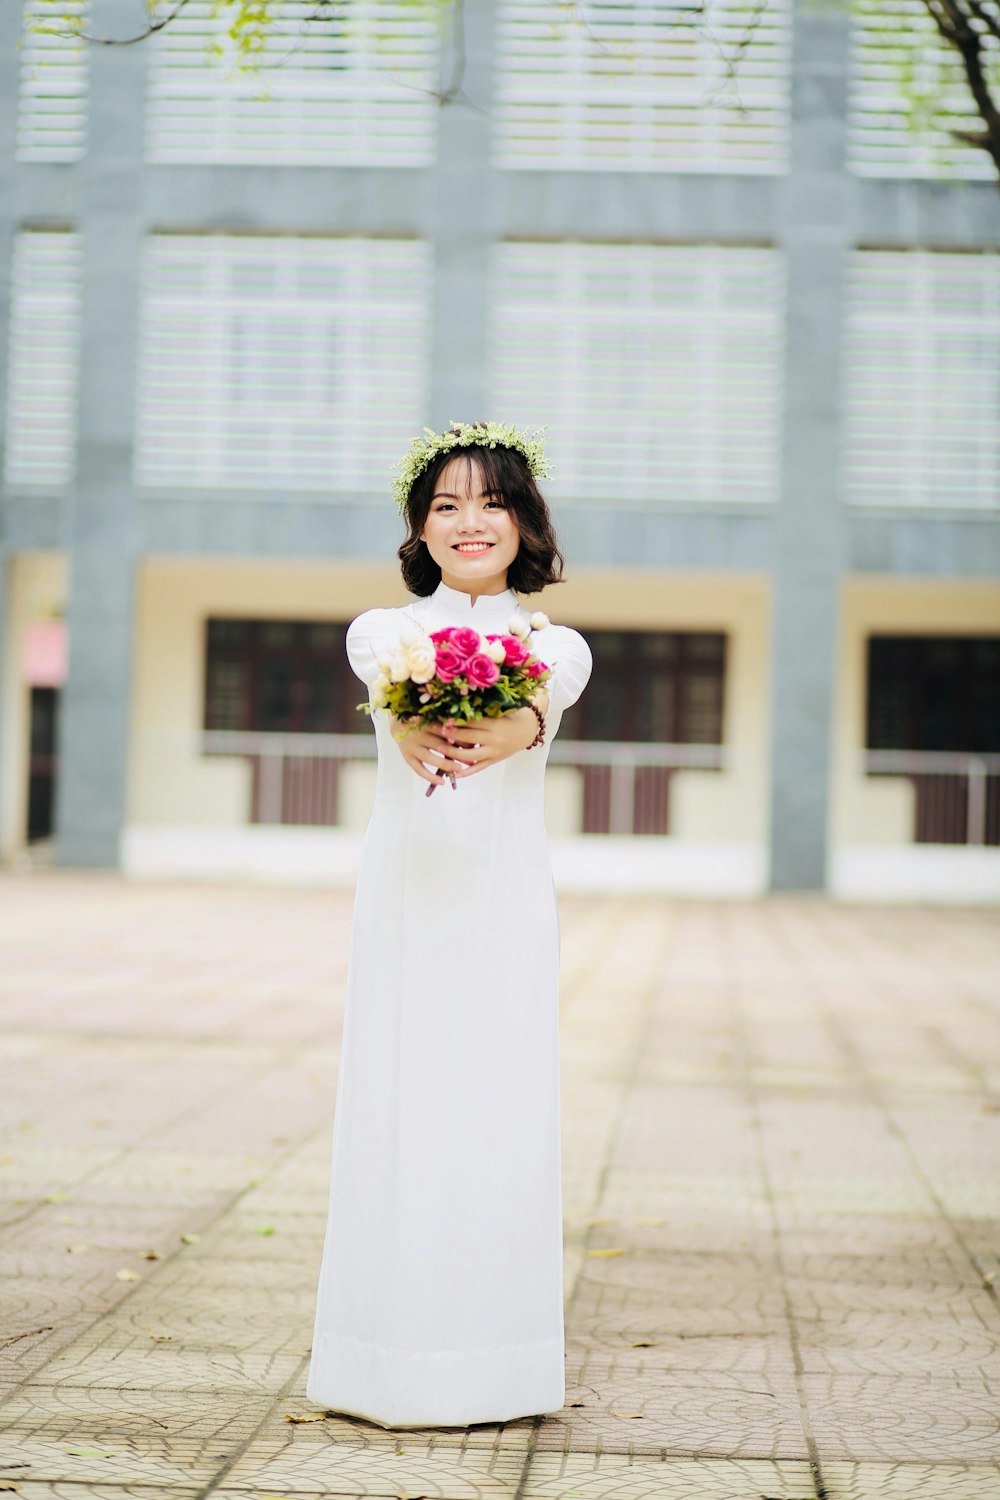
(497, 502)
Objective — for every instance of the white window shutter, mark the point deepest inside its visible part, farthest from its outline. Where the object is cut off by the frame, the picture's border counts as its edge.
(43, 359)
(52, 98)
(643, 85)
(281, 363)
(890, 130)
(656, 368)
(348, 87)
(922, 379)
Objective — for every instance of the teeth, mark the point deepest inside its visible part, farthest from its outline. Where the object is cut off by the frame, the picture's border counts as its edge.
(473, 547)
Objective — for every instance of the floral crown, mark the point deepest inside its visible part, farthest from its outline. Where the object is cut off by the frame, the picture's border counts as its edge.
(527, 441)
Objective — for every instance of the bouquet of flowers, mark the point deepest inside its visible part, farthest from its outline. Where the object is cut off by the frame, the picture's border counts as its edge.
(456, 675)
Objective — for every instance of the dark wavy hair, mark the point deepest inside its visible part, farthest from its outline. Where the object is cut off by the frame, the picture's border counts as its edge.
(506, 474)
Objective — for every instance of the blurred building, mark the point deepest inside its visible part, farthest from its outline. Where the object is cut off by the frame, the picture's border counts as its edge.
(759, 313)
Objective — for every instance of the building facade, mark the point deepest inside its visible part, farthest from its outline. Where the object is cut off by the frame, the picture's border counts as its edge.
(759, 315)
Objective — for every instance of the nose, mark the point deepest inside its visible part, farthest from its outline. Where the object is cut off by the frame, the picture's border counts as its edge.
(471, 518)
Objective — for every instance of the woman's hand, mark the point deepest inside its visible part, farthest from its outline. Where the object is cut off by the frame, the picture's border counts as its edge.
(425, 747)
(487, 741)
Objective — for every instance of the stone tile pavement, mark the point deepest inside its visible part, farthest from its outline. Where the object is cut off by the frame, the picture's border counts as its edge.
(782, 1189)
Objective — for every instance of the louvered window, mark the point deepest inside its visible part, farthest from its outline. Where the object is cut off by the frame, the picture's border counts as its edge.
(644, 85)
(352, 85)
(922, 379)
(43, 359)
(52, 102)
(284, 363)
(908, 87)
(656, 368)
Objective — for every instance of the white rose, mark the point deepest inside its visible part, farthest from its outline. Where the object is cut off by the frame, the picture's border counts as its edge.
(517, 627)
(422, 659)
(410, 634)
(495, 651)
(539, 620)
(384, 664)
(399, 669)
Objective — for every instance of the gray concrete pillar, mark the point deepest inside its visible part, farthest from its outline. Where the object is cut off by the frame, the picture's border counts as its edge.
(103, 525)
(463, 230)
(810, 531)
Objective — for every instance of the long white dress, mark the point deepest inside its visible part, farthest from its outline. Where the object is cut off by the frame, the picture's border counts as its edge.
(440, 1297)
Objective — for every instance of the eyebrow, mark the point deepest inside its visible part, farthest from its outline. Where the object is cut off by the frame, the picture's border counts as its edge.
(450, 495)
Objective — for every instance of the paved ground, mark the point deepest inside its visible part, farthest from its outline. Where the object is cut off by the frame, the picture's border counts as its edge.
(782, 1155)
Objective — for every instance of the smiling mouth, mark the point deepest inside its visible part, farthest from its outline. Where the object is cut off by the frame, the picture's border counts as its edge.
(472, 546)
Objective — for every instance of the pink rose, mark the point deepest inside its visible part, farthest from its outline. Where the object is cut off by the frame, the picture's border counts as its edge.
(448, 663)
(535, 668)
(481, 670)
(437, 636)
(465, 640)
(516, 650)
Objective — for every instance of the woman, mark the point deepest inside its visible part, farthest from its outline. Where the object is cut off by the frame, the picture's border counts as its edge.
(440, 1299)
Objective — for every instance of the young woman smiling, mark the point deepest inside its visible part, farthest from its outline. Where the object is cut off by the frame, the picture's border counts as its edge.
(440, 1298)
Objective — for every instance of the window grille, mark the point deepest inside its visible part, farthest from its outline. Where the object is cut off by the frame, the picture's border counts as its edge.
(352, 86)
(644, 85)
(52, 101)
(907, 88)
(922, 379)
(43, 359)
(282, 363)
(657, 369)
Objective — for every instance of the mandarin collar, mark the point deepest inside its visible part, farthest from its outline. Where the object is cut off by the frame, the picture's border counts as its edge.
(489, 609)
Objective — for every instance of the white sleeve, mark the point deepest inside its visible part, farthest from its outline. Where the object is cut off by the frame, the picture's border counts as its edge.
(569, 656)
(370, 636)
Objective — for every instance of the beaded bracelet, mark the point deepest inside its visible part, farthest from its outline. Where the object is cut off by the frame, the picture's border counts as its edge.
(540, 736)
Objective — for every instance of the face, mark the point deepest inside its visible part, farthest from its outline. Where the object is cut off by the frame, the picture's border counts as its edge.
(469, 532)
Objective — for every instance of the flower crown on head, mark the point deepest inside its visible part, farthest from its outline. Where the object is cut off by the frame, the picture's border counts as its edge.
(527, 441)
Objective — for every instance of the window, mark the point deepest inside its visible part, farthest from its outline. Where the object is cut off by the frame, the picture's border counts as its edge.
(657, 368)
(921, 377)
(52, 101)
(940, 694)
(934, 693)
(660, 687)
(280, 676)
(908, 88)
(346, 85)
(43, 359)
(644, 85)
(293, 363)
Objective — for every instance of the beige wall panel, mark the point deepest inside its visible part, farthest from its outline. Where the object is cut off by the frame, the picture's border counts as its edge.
(731, 805)
(172, 783)
(866, 810)
(36, 590)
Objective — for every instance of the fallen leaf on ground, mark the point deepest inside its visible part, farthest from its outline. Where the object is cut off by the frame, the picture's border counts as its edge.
(644, 1344)
(151, 1255)
(627, 1414)
(75, 1249)
(576, 1403)
(313, 1416)
(605, 1252)
(264, 1229)
(126, 1275)
(92, 1452)
(189, 1239)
